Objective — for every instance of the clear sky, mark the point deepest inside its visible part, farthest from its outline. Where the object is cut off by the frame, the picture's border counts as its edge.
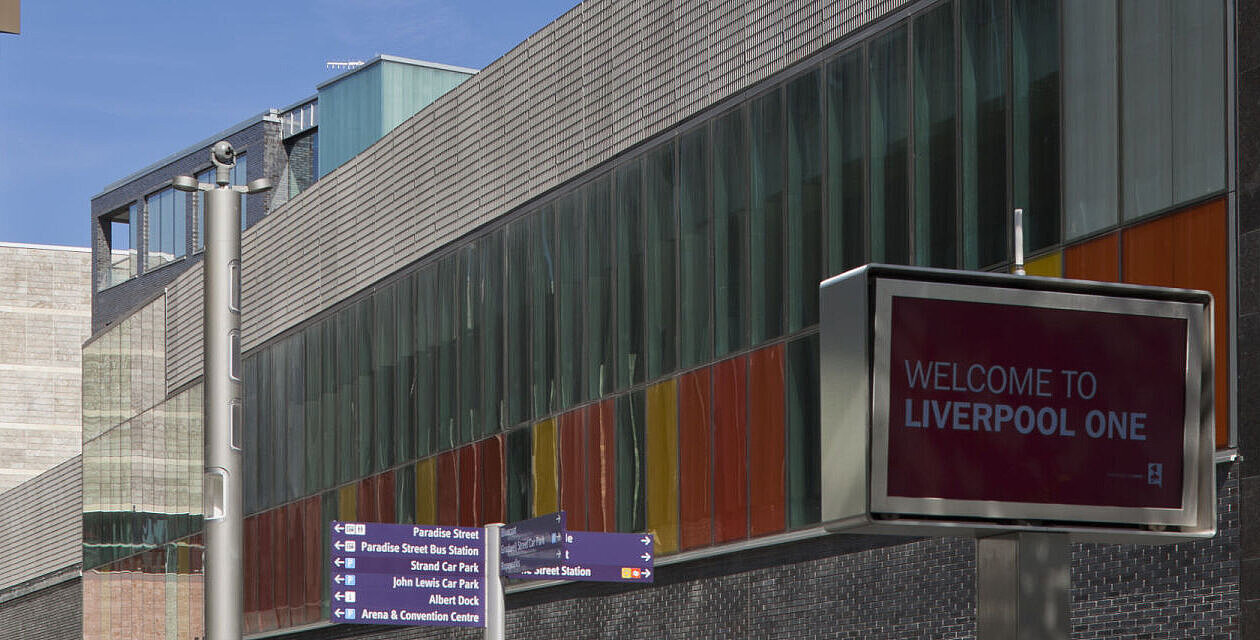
(93, 90)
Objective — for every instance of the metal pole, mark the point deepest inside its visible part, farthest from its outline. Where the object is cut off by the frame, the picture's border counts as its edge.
(222, 489)
(1019, 242)
(1023, 587)
(224, 498)
(495, 614)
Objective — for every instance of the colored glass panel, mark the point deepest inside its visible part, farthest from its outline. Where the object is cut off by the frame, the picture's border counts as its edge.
(804, 218)
(695, 479)
(1188, 250)
(366, 495)
(546, 498)
(1035, 119)
(803, 452)
(695, 271)
(628, 221)
(569, 253)
(346, 504)
(519, 482)
(730, 232)
(1097, 259)
(599, 329)
(448, 488)
(889, 132)
(730, 450)
(249, 569)
(267, 552)
(982, 127)
(470, 335)
(470, 497)
(542, 306)
(313, 556)
(767, 494)
(572, 427)
(517, 366)
(1049, 265)
(935, 153)
(765, 229)
(493, 486)
(385, 490)
(280, 569)
(601, 452)
(661, 464)
(846, 149)
(405, 494)
(295, 569)
(426, 491)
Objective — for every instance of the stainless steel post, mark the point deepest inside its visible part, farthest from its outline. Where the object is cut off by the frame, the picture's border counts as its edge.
(1023, 587)
(223, 498)
(495, 614)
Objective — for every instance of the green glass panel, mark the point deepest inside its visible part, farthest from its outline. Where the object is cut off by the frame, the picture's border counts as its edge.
(846, 153)
(730, 232)
(695, 255)
(491, 360)
(568, 251)
(384, 366)
(765, 284)
(803, 432)
(600, 329)
(361, 337)
(1035, 119)
(312, 341)
(328, 409)
(469, 343)
(631, 454)
(445, 380)
(426, 360)
(405, 494)
(518, 367)
(935, 151)
(250, 449)
(660, 218)
(628, 218)
(983, 132)
(804, 199)
(402, 395)
(347, 428)
(294, 400)
(542, 312)
(519, 474)
(889, 155)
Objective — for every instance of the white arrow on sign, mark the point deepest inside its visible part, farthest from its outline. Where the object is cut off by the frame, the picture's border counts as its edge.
(338, 528)
(338, 579)
(647, 573)
(338, 545)
(645, 540)
(647, 557)
(338, 612)
(338, 596)
(337, 561)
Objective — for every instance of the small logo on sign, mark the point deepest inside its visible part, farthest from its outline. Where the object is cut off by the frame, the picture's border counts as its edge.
(1155, 474)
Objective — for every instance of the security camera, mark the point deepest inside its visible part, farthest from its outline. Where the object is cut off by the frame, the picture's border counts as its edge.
(223, 154)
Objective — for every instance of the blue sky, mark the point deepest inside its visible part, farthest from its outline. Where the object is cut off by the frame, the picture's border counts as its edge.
(92, 91)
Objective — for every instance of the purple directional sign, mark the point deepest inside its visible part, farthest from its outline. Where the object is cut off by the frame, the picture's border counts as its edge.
(527, 544)
(601, 557)
(407, 574)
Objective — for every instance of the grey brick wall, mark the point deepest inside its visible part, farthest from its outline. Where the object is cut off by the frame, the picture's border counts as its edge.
(54, 613)
(1247, 307)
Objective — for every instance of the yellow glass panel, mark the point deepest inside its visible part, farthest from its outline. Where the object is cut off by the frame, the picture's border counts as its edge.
(546, 468)
(347, 504)
(426, 491)
(1049, 265)
(662, 464)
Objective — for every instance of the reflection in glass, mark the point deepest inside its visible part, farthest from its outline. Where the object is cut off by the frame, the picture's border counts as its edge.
(935, 218)
(889, 131)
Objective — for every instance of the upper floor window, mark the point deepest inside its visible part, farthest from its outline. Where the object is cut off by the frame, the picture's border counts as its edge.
(168, 212)
(122, 230)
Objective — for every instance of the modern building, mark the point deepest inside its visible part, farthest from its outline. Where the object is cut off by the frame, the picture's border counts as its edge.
(585, 279)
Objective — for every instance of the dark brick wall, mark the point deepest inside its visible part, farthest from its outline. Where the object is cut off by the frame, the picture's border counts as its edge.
(865, 587)
(259, 142)
(54, 613)
(1247, 98)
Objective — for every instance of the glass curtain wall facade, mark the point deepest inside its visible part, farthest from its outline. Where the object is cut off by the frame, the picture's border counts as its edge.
(640, 348)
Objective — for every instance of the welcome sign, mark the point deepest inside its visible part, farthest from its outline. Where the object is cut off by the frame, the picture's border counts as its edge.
(991, 401)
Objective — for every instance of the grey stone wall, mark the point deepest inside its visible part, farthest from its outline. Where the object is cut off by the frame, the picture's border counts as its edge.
(53, 613)
(45, 302)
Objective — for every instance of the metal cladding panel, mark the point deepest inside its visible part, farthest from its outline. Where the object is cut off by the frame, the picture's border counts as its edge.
(593, 83)
(42, 521)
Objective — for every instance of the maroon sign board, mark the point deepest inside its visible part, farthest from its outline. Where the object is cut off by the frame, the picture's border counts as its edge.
(966, 403)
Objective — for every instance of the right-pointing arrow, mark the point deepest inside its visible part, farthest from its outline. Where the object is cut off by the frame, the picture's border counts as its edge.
(645, 540)
(647, 557)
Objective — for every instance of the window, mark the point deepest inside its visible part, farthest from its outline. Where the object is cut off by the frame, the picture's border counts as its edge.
(167, 211)
(121, 230)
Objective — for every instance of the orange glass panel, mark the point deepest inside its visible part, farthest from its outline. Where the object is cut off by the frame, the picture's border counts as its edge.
(572, 427)
(546, 468)
(661, 435)
(426, 491)
(469, 486)
(730, 449)
(448, 488)
(767, 495)
(1097, 259)
(601, 455)
(1190, 249)
(695, 484)
(493, 480)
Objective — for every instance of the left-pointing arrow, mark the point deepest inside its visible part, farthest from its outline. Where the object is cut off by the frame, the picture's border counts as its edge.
(338, 579)
(339, 545)
(337, 561)
(338, 596)
(338, 528)
(338, 612)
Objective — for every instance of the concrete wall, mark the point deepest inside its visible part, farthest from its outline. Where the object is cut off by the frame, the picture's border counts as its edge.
(45, 307)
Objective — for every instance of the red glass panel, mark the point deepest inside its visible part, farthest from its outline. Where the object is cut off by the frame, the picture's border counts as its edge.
(385, 497)
(448, 488)
(730, 449)
(1097, 259)
(266, 572)
(249, 569)
(695, 478)
(767, 495)
(601, 469)
(280, 533)
(573, 468)
(493, 480)
(470, 499)
(312, 556)
(296, 541)
(365, 498)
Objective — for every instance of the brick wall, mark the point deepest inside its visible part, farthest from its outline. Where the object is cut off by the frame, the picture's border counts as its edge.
(54, 613)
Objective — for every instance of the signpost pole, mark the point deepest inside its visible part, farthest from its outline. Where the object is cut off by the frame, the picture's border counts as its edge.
(1023, 587)
(495, 614)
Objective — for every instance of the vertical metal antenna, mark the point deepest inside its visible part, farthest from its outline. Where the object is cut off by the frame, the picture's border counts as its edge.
(1019, 242)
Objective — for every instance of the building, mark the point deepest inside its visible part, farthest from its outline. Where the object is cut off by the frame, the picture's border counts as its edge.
(584, 279)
